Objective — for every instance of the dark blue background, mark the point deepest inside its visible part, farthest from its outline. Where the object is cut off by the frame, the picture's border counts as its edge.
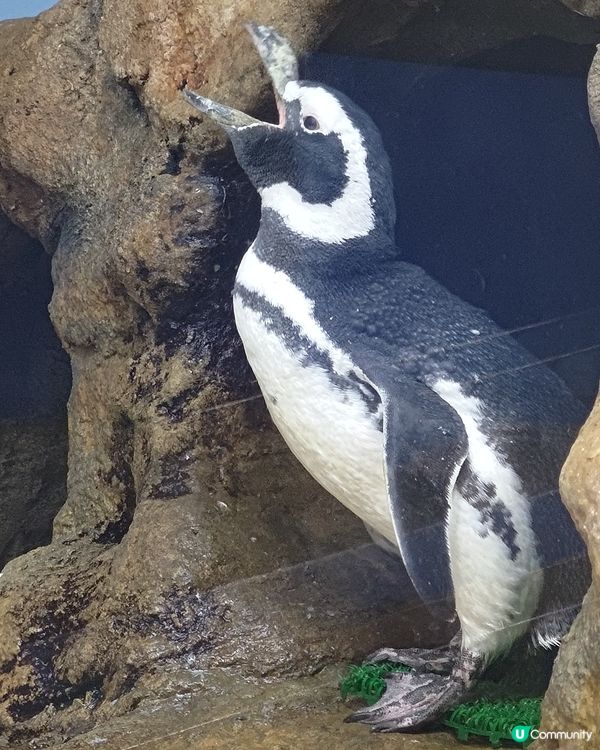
(497, 180)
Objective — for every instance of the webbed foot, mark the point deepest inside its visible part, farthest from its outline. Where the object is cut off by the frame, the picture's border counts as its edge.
(418, 698)
(437, 660)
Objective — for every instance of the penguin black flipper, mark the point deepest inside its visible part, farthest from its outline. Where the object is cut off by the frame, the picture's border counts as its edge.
(425, 445)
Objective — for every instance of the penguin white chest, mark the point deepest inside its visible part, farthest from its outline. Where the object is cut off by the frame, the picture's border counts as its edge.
(325, 421)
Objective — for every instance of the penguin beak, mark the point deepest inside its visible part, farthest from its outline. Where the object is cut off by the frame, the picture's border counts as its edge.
(228, 117)
(281, 65)
(276, 54)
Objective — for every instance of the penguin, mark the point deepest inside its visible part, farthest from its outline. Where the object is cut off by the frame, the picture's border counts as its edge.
(408, 405)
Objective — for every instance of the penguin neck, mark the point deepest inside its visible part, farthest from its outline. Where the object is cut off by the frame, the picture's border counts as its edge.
(300, 257)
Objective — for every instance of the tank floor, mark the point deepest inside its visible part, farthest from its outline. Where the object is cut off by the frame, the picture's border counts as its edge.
(294, 714)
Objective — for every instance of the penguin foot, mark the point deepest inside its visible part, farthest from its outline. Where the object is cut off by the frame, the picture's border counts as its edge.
(415, 699)
(436, 660)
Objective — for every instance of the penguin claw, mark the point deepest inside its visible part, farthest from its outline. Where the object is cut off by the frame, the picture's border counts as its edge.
(411, 701)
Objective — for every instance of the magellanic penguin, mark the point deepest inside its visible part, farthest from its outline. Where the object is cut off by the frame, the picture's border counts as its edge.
(408, 405)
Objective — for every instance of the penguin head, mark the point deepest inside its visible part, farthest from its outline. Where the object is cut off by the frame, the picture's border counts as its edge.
(322, 168)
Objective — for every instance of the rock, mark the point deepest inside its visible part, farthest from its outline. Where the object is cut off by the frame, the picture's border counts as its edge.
(90, 646)
(594, 93)
(584, 7)
(573, 696)
(299, 714)
(461, 32)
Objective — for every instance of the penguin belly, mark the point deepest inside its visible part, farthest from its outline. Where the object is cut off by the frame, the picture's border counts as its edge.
(330, 430)
(336, 433)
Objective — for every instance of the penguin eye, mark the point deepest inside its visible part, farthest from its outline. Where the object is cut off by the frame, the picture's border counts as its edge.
(310, 123)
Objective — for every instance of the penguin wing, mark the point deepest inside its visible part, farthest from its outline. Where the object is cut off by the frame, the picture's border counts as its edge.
(425, 445)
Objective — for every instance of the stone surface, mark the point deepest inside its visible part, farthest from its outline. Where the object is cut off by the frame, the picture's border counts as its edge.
(190, 538)
(94, 656)
(584, 7)
(463, 32)
(571, 702)
(594, 93)
(217, 712)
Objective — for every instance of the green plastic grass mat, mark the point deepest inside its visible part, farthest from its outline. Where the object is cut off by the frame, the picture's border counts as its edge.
(492, 719)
